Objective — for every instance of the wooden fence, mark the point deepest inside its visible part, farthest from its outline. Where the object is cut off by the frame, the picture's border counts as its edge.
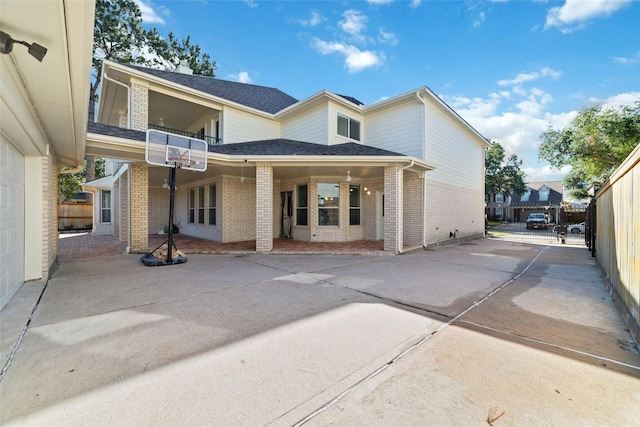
(617, 239)
(75, 216)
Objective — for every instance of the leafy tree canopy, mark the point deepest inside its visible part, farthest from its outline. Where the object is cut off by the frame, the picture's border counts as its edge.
(594, 144)
(118, 36)
(70, 184)
(500, 177)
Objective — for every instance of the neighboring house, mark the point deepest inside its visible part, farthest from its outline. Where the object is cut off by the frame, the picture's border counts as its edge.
(497, 207)
(540, 197)
(43, 126)
(326, 168)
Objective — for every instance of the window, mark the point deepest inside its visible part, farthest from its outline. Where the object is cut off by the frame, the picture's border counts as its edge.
(200, 205)
(192, 204)
(302, 203)
(499, 198)
(105, 211)
(525, 196)
(212, 205)
(328, 203)
(348, 127)
(543, 194)
(354, 205)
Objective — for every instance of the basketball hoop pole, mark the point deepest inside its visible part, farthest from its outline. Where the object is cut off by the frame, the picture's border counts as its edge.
(172, 192)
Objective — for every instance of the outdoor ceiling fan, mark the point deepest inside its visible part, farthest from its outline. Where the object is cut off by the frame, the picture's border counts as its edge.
(350, 178)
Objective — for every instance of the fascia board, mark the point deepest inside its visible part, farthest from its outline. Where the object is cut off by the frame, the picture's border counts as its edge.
(319, 98)
(159, 82)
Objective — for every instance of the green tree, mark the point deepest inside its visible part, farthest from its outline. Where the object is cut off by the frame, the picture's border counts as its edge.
(70, 184)
(594, 144)
(500, 177)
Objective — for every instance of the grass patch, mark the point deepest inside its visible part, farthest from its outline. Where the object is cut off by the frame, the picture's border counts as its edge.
(493, 223)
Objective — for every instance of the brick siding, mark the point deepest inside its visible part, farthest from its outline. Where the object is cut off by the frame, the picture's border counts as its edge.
(139, 208)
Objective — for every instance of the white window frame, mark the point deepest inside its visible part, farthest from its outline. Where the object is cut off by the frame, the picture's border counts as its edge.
(106, 209)
(349, 130)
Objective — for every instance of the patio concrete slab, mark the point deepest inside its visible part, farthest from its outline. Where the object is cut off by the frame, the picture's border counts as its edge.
(430, 337)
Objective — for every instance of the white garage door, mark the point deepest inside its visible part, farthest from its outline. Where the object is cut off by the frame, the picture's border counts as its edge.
(11, 221)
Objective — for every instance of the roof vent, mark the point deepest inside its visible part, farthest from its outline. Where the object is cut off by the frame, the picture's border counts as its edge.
(183, 68)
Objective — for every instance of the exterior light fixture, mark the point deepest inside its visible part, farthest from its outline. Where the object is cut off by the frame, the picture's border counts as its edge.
(35, 50)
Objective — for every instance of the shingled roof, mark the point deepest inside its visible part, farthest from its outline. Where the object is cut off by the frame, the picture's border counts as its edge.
(269, 147)
(267, 99)
(288, 147)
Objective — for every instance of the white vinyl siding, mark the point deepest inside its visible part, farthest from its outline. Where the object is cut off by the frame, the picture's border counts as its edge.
(310, 126)
(242, 127)
(12, 214)
(398, 129)
(453, 150)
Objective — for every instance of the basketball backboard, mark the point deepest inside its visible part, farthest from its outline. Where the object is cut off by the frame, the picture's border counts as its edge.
(170, 150)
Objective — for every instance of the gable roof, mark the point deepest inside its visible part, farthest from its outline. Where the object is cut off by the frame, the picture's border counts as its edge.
(267, 99)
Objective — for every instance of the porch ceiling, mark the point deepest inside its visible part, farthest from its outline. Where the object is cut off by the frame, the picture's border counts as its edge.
(157, 175)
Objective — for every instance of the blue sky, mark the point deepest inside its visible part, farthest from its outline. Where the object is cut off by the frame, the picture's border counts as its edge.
(510, 68)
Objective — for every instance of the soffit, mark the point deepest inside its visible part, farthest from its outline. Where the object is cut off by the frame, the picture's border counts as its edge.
(57, 89)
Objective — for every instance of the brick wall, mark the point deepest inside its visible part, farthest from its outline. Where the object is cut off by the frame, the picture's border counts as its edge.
(447, 210)
(393, 215)
(159, 199)
(139, 208)
(264, 208)
(124, 207)
(50, 214)
(412, 207)
(139, 106)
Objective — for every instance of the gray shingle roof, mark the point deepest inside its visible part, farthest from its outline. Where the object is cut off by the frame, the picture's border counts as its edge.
(109, 130)
(267, 99)
(269, 147)
(287, 147)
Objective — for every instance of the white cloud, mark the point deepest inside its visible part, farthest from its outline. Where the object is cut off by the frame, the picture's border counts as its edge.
(527, 77)
(376, 2)
(620, 100)
(316, 18)
(241, 77)
(387, 37)
(149, 15)
(545, 173)
(479, 20)
(415, 3)
(355, 59)
(633, 59)
(251, 3)
(574, 14)
(354, 24)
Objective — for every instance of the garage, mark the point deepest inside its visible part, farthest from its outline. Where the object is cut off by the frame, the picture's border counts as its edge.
(11, 221)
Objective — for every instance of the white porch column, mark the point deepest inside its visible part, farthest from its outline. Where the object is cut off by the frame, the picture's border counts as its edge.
(393, 214)
(264, 207)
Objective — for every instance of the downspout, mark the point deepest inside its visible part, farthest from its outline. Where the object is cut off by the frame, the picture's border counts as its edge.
(106, 77)
(128, 250)
(398, 201)
(424, 181)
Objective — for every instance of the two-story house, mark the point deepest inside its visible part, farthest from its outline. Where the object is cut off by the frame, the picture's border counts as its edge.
(540, 197)
(326, 168)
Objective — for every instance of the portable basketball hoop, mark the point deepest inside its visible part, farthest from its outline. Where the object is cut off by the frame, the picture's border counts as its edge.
(175, 152)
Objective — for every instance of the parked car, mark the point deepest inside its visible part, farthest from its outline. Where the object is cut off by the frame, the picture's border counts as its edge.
(577, 228)
(537, 221)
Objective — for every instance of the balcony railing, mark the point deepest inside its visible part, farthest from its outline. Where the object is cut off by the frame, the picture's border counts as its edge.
(210, 140)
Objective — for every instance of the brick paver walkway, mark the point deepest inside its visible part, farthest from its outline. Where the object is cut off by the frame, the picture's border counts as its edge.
(82, 245)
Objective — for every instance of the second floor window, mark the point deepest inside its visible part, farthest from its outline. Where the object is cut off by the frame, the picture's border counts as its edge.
(499, 198)
(543, 194)
(348, 127)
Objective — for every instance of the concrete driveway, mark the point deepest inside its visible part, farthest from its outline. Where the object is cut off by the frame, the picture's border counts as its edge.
(485, 332)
